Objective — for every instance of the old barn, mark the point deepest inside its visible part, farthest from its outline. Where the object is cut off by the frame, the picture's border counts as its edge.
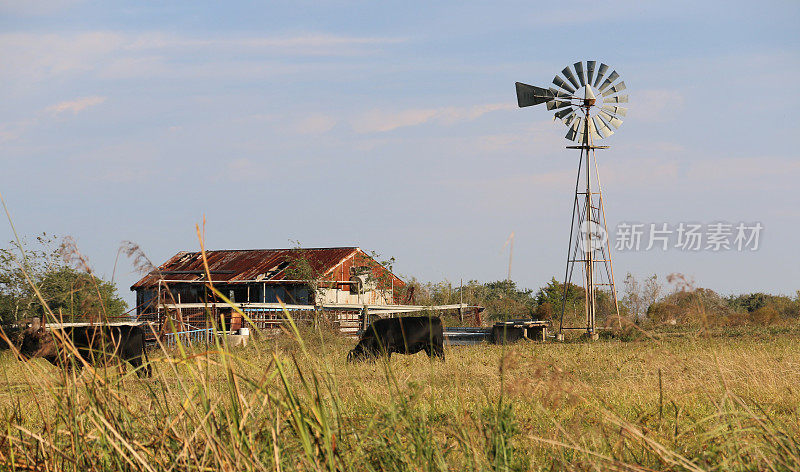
(343, 283)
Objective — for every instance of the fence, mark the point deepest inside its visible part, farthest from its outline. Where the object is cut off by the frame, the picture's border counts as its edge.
(192, 336)
(267, 320)
(272, 320)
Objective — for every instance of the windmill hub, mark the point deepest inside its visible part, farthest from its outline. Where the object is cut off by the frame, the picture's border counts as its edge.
(588, 97)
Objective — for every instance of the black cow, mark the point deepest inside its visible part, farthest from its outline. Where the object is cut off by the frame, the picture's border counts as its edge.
(407, 335)
(94, 344)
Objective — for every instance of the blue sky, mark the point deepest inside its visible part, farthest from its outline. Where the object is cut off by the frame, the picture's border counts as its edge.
(393, 126)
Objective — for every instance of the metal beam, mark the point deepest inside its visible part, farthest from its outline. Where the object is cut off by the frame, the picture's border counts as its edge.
(325, 306)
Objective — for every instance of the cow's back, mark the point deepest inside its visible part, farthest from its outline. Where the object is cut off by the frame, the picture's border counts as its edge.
(409, 334)
(123, 341)
(133, 340)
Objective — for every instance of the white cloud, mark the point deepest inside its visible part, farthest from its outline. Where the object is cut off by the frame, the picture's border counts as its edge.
(315, 123)
(376, 121)
(35, 57)
(243, 169)
(545, 136)
(745, 170)
(627, 173)
(651, 148)
(380, 121)
(12, 131)
(35, 7)
(307, 44)
(75, 106)
(125, 174)
(555, 179)
(657, 105)
(639, 172)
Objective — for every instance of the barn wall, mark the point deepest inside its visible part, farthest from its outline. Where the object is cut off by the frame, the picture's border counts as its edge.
(372, 297)
(145, 298)
(386, 282)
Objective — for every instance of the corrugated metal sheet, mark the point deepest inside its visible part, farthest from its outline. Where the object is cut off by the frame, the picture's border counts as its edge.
(246, 264)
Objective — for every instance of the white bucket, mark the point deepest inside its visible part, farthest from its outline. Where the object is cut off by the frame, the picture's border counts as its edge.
(244, 331)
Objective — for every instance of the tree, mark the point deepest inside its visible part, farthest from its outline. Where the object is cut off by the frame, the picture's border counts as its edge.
(651, 291)
(73, 293)
(633, 298)
(501, 299)
(78, 295)
(504, 300)
(550, 300)
(638, 299)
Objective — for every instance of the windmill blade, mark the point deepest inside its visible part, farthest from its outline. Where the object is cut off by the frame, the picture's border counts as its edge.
(600, 73)
(579, 71)
(581, 133)
(615, 110)
(590, 71)
(570, 76)
(605, 116)
(617, 88)
(556, 104)
(528, 95)
(568, 119)
(558, 93)
(602, 127)
(611, 78)
(612, 120)
(563, 113)
(604, 130)
(557, 80)
(617, 99)
(573, 130)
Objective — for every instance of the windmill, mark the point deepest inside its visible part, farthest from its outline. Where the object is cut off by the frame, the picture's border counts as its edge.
(575, 101)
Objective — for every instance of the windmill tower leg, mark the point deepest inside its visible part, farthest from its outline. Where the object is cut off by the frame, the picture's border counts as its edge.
(588, 252)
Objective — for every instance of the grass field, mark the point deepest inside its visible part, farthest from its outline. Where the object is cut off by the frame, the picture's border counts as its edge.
(681, 402)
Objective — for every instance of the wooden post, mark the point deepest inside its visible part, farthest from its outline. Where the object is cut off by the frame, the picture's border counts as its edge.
(461, 301)
(364, 318)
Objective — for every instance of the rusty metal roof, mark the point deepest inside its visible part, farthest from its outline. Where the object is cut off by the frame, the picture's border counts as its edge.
(232, 265)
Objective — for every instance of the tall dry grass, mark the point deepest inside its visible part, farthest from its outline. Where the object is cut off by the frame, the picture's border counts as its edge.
(292, 403)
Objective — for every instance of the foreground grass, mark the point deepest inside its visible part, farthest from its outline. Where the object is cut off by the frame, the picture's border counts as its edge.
(678, 403)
